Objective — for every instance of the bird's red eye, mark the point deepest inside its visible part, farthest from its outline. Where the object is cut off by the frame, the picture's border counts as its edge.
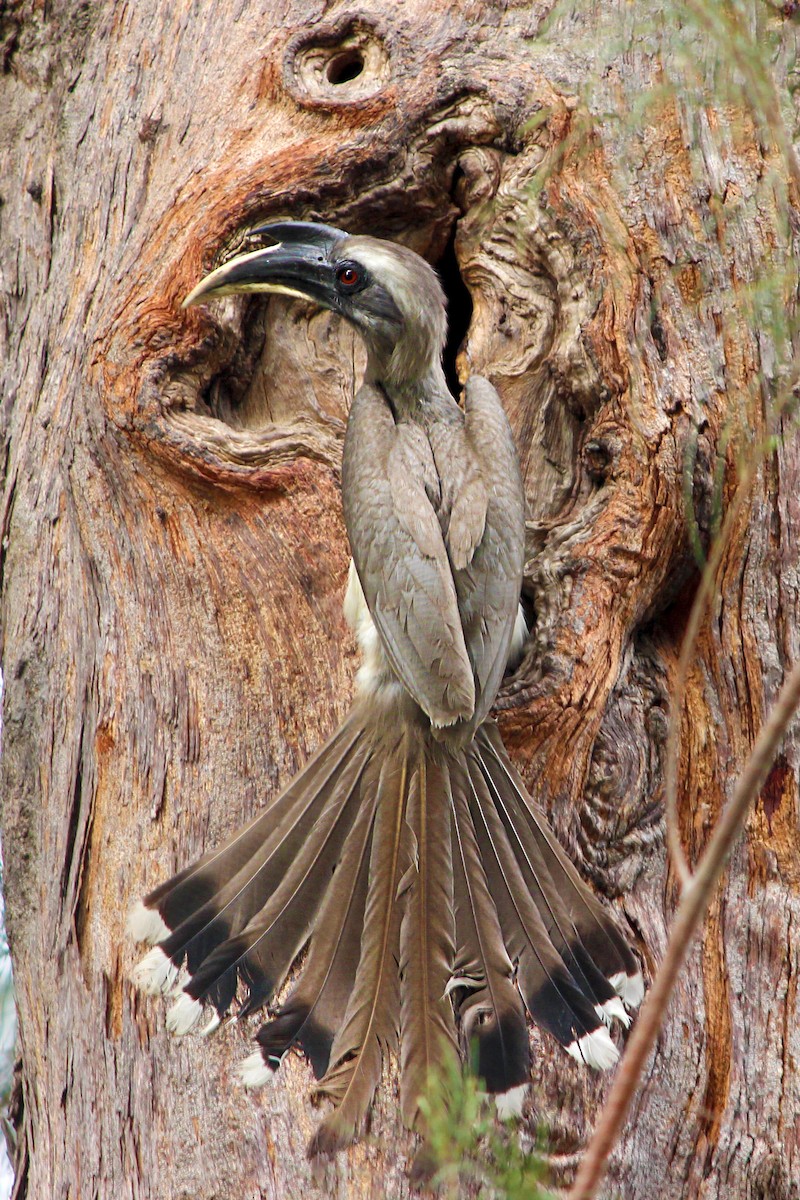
(349, 276)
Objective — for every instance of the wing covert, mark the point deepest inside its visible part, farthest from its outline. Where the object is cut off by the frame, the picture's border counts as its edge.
(488, 586)
(388, 476)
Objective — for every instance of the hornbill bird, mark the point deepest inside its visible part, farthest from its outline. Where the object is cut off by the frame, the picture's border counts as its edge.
(436, 908)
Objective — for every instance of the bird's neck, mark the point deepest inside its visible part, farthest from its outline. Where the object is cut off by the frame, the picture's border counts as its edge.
(408, 361)
(414, 398)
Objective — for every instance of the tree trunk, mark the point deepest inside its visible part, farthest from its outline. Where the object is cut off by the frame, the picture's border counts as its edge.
(174, 556)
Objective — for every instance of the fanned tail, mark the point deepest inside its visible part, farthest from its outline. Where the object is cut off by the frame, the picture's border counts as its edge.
(435, 903)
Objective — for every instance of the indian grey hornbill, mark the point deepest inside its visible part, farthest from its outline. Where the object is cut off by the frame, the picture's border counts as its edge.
(434, 903)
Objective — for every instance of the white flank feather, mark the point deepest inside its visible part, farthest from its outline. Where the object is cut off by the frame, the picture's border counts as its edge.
(146, 925)
(630, 988)
(374, 676)
(509, 1104)
(254, 1072)
(155, 973)
(184, 1015)
(596, 1049)
(519, 637)
(613, 1008)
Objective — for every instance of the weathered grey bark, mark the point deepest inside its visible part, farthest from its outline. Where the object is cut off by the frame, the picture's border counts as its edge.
(174, 556)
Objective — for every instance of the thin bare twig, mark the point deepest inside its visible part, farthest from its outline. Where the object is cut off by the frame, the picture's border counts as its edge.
(693, 905)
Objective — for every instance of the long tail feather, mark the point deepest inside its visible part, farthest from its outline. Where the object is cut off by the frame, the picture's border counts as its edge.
(427, 943)
(489, 1007)
(371, 1020)
(214, 899)
(187, 892)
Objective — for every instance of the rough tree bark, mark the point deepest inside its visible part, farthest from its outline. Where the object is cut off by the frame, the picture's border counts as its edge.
(174, 556)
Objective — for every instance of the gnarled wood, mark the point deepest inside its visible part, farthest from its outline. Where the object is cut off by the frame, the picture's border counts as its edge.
(174, 556)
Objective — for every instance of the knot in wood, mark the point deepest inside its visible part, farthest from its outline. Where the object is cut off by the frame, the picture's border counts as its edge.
(598, 456)
(345, 64)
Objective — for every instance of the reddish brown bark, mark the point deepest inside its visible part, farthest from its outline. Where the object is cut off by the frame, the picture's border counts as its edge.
(174, 556)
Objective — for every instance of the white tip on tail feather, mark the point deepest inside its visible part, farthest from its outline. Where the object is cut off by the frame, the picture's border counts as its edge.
(214, 1023)
(155, 973)
(509, 1104)
(462, 981)
(147, 925)
(184, 1015)
(630, 988)
(254, 1072)
(613, 1008)
(596, 1049)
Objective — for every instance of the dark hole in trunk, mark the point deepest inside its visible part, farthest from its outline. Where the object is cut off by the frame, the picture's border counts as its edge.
(345, 67)
(459, 311)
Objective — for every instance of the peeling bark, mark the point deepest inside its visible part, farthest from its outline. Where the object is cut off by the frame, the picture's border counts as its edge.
(174, 555)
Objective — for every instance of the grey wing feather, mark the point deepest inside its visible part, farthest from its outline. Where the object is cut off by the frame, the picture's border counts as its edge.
(468, 513)
(488, 586)
(401, 560)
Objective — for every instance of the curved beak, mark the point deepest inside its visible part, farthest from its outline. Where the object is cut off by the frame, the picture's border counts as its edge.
(299, 264)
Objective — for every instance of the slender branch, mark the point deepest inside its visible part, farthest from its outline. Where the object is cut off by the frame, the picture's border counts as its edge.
(693, 905)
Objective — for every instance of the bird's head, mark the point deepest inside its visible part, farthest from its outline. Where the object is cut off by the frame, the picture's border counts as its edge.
(390, 294)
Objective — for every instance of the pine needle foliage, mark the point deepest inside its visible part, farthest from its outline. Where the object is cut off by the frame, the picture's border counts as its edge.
(474, 1153)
